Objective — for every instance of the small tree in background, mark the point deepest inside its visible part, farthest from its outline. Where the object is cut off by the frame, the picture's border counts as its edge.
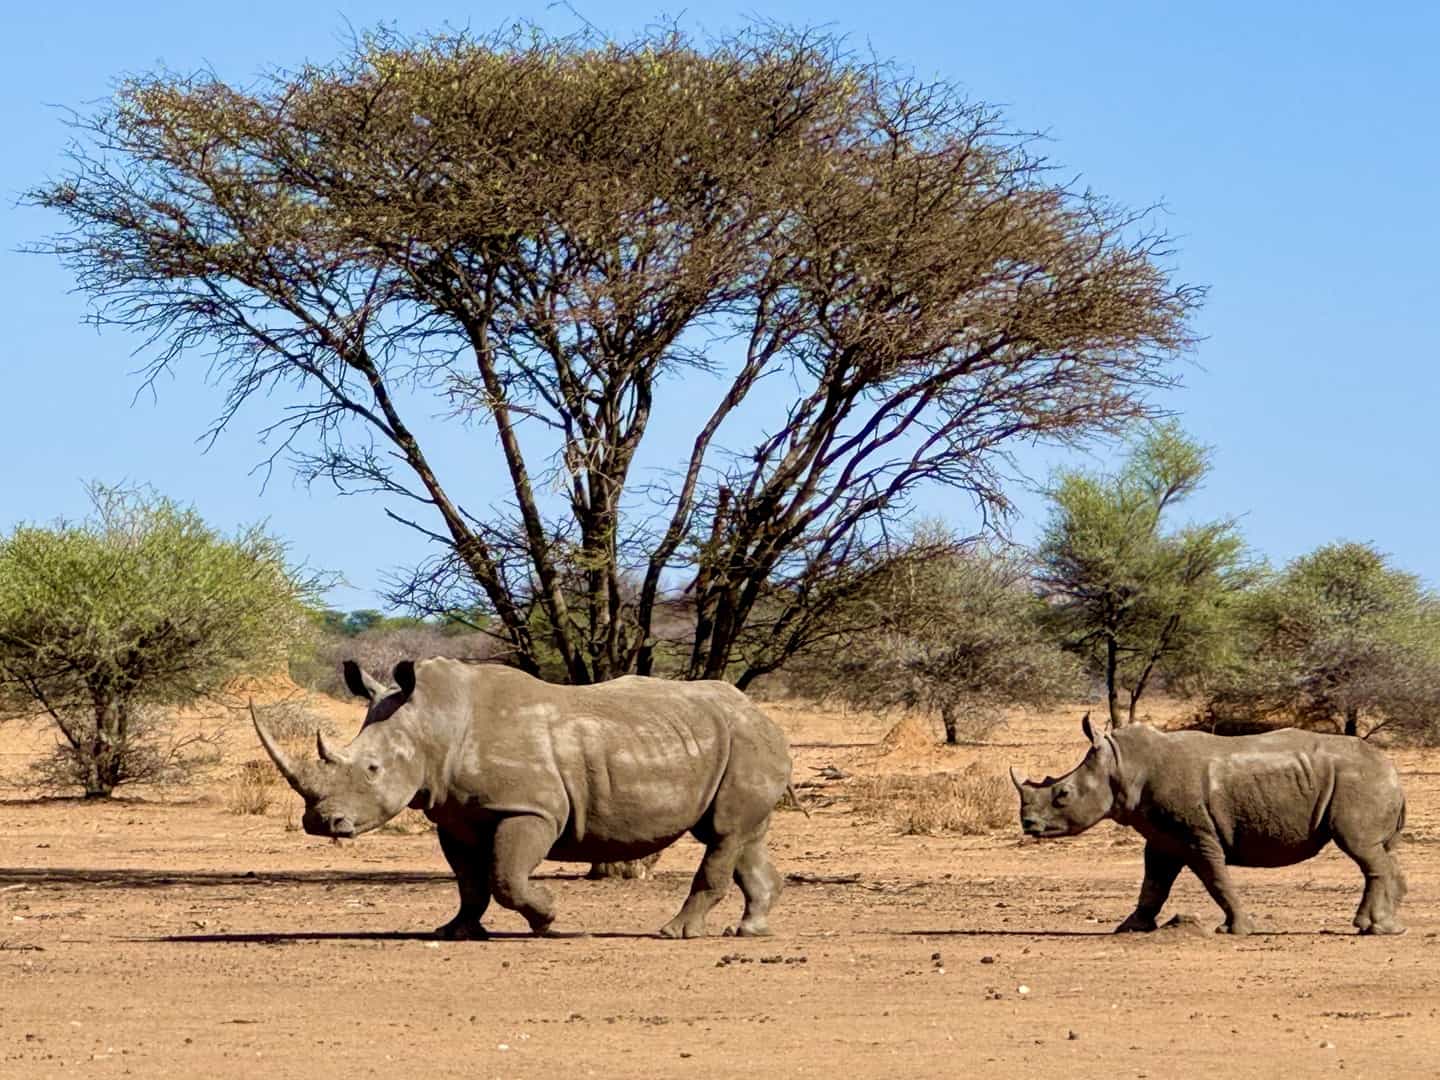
(1340, 636)
(142, 605)
(1133, 599)
(951, 629)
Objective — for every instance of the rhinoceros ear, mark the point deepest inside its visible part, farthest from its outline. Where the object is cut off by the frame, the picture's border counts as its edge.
(404, 677)
(362, 684)
(1096, 739)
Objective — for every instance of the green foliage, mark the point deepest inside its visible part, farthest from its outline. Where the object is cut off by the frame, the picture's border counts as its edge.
(350, 624)
(1341, 639)
(142, 605)
(1134, 600)
(949, 629)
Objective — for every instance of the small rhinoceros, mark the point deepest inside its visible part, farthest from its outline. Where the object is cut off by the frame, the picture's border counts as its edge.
(1211, 801)
(513, 770)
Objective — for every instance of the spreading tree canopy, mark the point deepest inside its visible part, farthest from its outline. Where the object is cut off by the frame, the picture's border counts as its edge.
(852, 284)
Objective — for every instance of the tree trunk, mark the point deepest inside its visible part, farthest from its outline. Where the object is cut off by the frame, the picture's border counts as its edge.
(1112, 690)
(1352, 721)
(103, 758)
(952, 725)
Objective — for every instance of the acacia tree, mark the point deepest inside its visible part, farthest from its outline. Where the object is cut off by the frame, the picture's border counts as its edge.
(1130, 597)
(1339, 637)
(142, 605)
(541, 237)
(949, 627)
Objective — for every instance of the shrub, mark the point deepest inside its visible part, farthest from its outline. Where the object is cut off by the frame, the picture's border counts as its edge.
(252, 789)
(106, 622)
(969, 802)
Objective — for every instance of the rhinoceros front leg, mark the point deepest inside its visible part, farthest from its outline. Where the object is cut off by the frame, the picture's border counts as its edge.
(470, 860)
(521, 842)
(1161, 869)
(708, 888)
(1209, 866)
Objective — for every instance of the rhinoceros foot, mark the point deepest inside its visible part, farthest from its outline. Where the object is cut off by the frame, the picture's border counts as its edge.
(1384, 928)
(1135, 923)
(747, 931)
(680, 927)
(462, 929)
(1239, 924)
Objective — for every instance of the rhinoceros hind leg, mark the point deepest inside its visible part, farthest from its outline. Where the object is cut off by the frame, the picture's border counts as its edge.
(760, 883)
(709, 886)
(520, 843)
(1384, 887)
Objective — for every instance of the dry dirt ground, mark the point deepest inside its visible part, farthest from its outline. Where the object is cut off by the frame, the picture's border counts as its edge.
(161, 935)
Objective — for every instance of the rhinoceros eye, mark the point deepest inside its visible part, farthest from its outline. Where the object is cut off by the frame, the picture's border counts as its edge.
(373, 768)
(1059, 797)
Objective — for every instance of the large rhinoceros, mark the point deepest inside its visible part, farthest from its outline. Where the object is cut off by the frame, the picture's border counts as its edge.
(513, 770)
(1210, 801)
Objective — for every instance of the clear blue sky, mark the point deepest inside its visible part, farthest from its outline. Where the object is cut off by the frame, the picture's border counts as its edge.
(1295, 145)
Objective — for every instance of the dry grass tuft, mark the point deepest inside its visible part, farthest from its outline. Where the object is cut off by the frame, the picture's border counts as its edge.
(252, 789)
(408, 823)
(969, 802)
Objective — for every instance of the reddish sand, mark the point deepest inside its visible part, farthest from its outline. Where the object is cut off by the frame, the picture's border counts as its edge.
(160, 935)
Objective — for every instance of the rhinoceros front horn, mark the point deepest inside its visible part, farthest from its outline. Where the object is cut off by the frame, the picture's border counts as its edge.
(294, 776)
(1017, 779)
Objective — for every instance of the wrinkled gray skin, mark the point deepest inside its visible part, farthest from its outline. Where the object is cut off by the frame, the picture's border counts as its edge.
(513, 770)
(1209, 802)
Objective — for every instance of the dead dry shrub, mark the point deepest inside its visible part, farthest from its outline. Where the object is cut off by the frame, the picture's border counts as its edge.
(289, 720)
(379, 650)
(969, 802)
(252, 788)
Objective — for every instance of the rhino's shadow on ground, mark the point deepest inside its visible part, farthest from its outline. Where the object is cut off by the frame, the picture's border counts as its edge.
(304, 936)
(142, 878)
(1153, 937)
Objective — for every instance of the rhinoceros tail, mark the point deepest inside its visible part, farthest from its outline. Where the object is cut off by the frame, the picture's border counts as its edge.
(790, 790)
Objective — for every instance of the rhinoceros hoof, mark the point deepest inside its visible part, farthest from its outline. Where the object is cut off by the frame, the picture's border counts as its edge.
(675, 930)
(1135, 925)
(746, 931)
(1383, 928)
(462, 930)
(1239, 927)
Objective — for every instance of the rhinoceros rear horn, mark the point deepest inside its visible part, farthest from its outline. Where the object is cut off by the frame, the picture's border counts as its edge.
(1017, 779)
(328, 753)
(294, 775)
